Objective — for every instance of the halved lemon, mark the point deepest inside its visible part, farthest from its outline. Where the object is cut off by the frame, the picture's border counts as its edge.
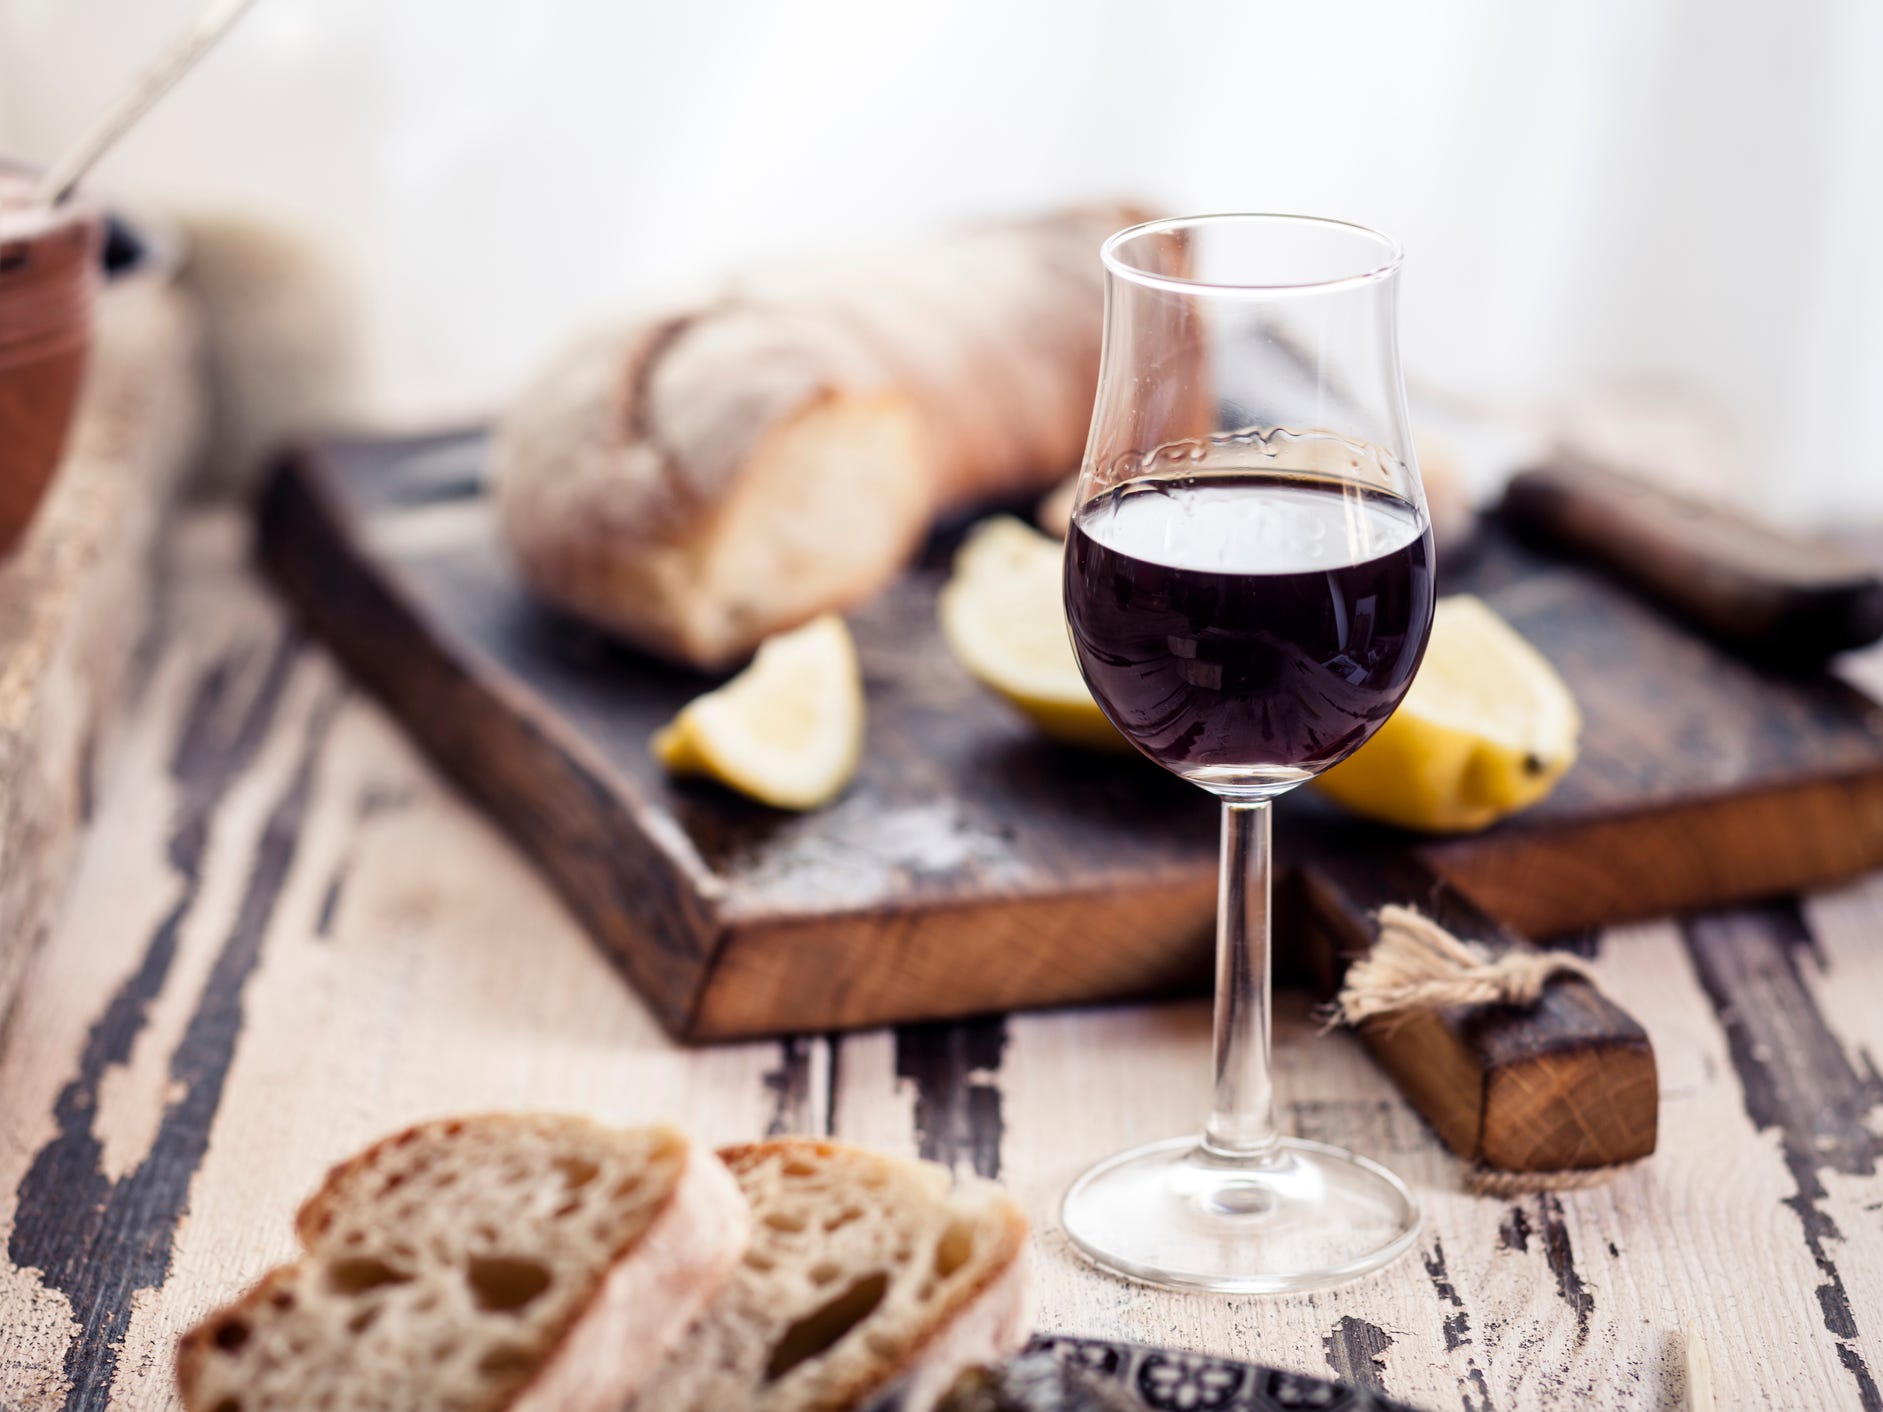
(1003, 614)
(1487, 729)
(788, 730)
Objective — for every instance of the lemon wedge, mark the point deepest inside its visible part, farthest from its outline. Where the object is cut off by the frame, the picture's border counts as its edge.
(788, 730)
(1003, 614)
(1486, 730)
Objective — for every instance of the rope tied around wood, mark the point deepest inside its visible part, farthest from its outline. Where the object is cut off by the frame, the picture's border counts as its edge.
(1418, 965)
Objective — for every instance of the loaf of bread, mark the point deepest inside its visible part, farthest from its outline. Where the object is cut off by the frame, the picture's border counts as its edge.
(531, 1263)
(867, 1277)
(696, 482)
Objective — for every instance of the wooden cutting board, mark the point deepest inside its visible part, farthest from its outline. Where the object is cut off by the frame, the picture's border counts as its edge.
(973, 867)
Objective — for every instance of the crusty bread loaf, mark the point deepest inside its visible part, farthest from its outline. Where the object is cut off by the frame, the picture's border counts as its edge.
(699, 481)
(864, 1272)
(524, 1262)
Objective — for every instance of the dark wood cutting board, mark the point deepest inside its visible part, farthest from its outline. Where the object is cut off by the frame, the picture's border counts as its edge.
(973, 867)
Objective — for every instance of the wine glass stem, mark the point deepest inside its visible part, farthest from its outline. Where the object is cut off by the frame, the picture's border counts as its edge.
(1242, 1120)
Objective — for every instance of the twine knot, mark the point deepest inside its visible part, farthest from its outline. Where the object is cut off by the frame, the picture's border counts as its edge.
(1417, 965)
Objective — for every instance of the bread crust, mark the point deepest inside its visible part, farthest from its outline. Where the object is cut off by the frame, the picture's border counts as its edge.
(194, 1347)
(984, 1320)
(656, 1288)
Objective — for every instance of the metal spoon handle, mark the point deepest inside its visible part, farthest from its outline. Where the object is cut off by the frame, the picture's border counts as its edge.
(156, 80)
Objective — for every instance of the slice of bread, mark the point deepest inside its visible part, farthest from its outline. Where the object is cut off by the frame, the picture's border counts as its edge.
(864, 1271)
(504, 1261)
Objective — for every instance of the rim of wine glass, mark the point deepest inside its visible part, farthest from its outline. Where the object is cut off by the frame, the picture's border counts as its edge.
(1394, 255)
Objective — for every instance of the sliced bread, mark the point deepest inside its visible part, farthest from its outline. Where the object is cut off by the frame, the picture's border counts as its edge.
(863, 1272)
(504, 1261)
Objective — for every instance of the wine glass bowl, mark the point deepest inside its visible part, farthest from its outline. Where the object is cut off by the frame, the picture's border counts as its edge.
(1244, 680)
(1249, 585)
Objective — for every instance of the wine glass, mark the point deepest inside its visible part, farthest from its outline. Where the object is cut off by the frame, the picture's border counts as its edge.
(1249, 585)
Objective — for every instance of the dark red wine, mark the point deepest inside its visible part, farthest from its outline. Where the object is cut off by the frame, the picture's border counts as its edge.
(1248, 629)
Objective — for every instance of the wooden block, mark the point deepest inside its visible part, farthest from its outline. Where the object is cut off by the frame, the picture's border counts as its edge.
(75, 595)
(1566, 1083)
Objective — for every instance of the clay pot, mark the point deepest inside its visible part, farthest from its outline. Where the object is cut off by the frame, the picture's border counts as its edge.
(49, 279)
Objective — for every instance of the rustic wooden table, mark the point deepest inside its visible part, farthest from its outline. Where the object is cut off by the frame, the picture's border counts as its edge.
(286, 936)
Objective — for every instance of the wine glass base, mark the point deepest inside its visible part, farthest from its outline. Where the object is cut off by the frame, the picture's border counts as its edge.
(1302, 1216)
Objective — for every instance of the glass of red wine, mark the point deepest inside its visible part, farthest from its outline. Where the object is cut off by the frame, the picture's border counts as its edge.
(1249, 585)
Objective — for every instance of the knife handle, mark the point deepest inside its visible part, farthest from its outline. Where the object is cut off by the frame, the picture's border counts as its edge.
(1773, 596)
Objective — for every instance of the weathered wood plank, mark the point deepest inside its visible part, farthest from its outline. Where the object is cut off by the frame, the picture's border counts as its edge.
(75, 593)
(1510, 1304)
(954, 1070)
(1802, 1083)
(1081, 1085)
(93, 1220)
(288, 936)
(1844, 976)
(1699, 1239)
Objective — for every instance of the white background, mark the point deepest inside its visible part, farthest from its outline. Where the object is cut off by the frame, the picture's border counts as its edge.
(1668, 193)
